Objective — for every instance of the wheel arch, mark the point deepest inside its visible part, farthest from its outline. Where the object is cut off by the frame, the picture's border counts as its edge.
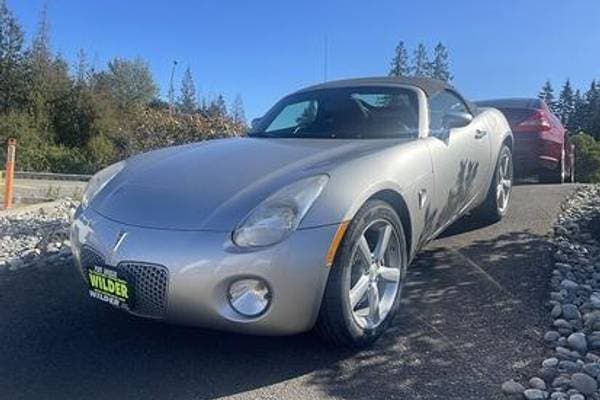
(509, 141)
(397, 202)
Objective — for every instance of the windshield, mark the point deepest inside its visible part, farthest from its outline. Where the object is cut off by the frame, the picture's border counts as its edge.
(358, 113)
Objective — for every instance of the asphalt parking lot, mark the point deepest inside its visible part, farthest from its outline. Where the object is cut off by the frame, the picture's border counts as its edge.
(473, 317)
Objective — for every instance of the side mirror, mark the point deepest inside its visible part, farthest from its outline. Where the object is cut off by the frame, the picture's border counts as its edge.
(255, 122)
(456, 119)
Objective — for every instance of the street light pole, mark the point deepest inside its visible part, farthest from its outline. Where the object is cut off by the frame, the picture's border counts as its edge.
(172, 89)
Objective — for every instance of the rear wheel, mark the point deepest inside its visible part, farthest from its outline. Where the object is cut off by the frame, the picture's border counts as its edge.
(366, 280)
(496, 204)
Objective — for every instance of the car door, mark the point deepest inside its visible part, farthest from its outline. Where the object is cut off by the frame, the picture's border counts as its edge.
(460, 156)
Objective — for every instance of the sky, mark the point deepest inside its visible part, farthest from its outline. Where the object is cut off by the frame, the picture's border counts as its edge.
(264, 50)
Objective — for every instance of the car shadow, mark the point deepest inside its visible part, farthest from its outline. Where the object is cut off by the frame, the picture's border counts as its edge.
(462, 331)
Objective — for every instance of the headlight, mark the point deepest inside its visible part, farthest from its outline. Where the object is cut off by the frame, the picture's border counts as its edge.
(98, 181)
(280, 214)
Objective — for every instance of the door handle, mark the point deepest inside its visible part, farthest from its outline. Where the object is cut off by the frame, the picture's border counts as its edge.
(479, 134)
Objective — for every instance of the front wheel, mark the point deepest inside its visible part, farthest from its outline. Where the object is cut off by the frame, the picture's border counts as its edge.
(497, 201)
(365, 283)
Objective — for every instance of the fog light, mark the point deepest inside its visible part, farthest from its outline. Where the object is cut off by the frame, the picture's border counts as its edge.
(249, 297)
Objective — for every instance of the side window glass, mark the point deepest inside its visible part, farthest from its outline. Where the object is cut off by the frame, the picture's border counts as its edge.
(440, 105)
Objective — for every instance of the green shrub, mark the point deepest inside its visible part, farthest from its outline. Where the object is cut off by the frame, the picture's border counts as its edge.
(587, 158)
(65, 159)
(100, 152)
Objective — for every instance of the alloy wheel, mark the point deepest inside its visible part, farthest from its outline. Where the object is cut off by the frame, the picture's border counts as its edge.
(377, 274)
(505, 181)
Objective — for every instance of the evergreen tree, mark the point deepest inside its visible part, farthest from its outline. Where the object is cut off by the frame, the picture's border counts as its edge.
(40, 47)
(187, 99)
(130, 82)
(49, 78)
(237, 111)
(13, 89)
(592, 116)
(576, 121)
(82, 67)
(565, 103)
(217, 107)
(420, 63)
(399, 65)
(547, 95)
(440, 68)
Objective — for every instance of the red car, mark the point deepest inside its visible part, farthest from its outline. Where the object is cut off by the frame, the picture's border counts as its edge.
(541, 145)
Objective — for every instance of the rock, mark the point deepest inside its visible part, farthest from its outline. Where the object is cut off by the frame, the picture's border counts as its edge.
(567, 354)
(511, 388)
(534, 394)
(595, 298)
(556, 311)
(537, 383)
(551, 336)
(563, 326)
(584, 383)
(550, 362)
(577, 341)
(569, 284)
(561, 381)
(592, 370)
(592, 358)
(568, 366)
(548, 374)
(570, 311)
(577, 396)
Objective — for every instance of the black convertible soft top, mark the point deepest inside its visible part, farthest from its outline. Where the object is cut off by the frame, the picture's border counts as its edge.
(429, 85)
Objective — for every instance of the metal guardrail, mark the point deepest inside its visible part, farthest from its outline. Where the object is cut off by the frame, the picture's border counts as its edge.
(50, 176)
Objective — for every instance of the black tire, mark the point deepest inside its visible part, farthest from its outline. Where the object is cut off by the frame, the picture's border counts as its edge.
(491, 211)
(336, 322)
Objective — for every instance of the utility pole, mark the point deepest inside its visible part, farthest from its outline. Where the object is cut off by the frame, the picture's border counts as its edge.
(325, 60)
(172, 89)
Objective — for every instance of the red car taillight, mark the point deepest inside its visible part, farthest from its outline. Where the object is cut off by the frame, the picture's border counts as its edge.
(535, 123)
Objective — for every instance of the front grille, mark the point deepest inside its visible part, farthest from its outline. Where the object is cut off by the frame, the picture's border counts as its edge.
(150, 285)
(149, 281)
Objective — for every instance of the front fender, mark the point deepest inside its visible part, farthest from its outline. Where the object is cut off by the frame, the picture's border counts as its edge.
(406, 170)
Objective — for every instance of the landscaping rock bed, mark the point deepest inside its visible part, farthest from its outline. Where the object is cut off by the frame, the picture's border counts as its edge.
(571, 371)
(36, 235)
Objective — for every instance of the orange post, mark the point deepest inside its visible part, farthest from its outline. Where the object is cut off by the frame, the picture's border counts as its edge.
(10, 173)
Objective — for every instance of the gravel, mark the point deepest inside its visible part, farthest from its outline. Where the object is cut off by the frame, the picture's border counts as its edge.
(35, 236)
(571, 370)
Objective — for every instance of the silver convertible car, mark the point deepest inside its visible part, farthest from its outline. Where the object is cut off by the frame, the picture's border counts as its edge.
(310, 221)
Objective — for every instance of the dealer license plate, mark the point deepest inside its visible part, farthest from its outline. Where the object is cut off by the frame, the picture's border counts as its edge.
(110, 286)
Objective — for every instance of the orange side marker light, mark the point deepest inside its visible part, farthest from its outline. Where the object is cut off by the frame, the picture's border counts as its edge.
(337, 239)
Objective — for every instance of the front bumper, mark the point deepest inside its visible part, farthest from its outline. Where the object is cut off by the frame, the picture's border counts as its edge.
(200, 266)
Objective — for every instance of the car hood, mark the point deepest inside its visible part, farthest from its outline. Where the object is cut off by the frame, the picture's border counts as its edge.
(212, 185)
